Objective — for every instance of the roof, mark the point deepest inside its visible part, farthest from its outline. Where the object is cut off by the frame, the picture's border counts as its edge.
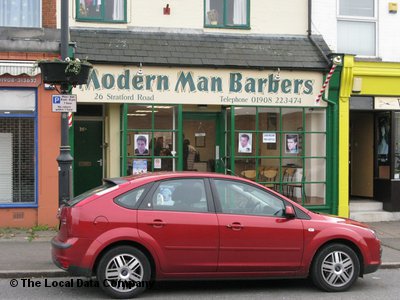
(199, 49)
(15, 39)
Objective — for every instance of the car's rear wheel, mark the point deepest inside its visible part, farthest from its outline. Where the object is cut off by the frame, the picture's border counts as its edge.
(336, 267)
(124, 272)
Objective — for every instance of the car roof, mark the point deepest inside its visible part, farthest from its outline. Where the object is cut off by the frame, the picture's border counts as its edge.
(153, 176)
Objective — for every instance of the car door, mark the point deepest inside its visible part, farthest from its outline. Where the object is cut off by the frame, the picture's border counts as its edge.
(179, 220)
(254, 234)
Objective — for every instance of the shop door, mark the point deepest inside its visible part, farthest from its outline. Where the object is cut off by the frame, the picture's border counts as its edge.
(361, 154)
(203, 133)
(88, 152)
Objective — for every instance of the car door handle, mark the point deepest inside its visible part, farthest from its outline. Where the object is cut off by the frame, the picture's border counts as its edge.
(235, 226)
(157, 223)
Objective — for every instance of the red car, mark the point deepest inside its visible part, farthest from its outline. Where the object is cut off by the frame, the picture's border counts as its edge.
(134, 230)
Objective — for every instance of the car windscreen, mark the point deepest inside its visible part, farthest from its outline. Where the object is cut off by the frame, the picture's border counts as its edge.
(91, 192)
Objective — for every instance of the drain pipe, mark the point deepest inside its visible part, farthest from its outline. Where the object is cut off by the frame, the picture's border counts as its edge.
(311, 38)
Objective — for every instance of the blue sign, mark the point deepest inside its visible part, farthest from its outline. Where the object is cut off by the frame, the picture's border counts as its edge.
(56, 99)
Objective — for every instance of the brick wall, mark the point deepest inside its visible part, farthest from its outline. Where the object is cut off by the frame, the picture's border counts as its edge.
(26, 55)
(49, 14)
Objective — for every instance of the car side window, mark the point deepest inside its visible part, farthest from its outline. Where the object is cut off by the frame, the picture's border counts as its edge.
(239, 198)
(130, 199)
(180, 195)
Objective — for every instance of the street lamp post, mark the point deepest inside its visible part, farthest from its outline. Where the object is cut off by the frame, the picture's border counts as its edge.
(64, 159)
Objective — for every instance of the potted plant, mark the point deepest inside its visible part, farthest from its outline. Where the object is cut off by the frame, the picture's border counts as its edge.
(68, 71)
(212, 17)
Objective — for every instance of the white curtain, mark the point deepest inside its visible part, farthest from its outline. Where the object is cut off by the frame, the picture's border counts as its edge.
(356, 38)
(118, 10)
(20, 13)
(240, 12)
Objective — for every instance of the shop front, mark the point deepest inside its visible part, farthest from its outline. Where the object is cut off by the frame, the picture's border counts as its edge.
(370, 121)
(29, 139)
(265, 125)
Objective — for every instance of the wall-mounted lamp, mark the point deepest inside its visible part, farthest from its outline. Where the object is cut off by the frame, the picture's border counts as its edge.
(277, 76)
(167, 10)
(357, 85)
(140, 70)
(49, 87)
(393, 7)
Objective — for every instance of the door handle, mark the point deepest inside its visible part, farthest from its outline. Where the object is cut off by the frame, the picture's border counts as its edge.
(235, 226)
(100, 161)
(157, 223)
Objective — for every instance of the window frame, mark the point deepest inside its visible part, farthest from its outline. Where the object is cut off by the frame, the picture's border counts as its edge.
(233, 156)
(79, 18)
(360, 19)
(40, 18)
(224, 25)
(34, 116)
(151, 131)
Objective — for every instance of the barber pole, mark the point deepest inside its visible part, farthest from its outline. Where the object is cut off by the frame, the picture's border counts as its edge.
(69, 120)
(336, 60)
(328, 78)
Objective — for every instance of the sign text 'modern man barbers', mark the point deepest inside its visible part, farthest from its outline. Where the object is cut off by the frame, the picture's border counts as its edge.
(116, 84)
(186, 82)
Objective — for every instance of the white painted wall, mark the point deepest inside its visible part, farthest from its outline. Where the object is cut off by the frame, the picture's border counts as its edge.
(325, 23)
(266, 16)
(388, 28)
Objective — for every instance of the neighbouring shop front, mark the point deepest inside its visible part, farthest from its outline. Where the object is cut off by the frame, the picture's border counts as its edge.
(29, 139)
(265, 125)
(370, 105)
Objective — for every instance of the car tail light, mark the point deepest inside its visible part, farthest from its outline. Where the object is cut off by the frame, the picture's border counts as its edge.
(64, 263)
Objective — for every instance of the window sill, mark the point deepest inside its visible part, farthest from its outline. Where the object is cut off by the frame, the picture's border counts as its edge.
(19, 205)
(226, 27)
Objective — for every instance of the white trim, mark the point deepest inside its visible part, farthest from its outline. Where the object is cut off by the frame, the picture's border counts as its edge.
(16, 68)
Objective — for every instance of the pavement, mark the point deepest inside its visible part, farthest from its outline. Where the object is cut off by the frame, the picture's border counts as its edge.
(28, 254)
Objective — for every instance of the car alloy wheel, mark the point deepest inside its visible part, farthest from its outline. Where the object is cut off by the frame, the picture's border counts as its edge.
(336, 267)
(124, 272)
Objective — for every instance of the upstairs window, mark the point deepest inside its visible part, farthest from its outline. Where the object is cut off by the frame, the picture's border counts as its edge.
(357, 24)
(20, 13)
(101, 10)
(227, 13)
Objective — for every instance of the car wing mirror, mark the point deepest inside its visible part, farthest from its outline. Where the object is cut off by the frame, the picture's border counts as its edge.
(289, 212)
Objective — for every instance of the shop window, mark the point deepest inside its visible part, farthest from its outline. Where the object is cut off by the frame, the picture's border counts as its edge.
(227, 13)
(17, 147)
(20, 13)
(357, 22)
(383, 141)
(397, 145)
(282, 148)
(101, 11)
(151, 137)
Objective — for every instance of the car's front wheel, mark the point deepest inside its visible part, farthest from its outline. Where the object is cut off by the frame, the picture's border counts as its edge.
(124, 272)
(336, 267)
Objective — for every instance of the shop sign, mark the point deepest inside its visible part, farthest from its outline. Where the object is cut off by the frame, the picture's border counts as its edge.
(115, 84)
(387, 103)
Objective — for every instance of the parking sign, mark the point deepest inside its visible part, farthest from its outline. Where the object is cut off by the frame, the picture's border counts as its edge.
(63, 103)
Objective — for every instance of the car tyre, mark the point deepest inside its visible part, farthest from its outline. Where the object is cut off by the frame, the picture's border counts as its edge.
(336, 268)
(124, 272)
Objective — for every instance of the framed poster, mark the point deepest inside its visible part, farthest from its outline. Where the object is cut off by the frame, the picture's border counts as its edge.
(291, 142)
(141, 144)
(245, 142)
